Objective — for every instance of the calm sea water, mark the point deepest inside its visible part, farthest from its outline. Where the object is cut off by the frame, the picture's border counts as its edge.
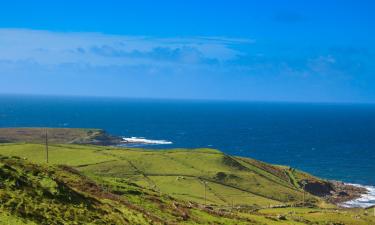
(333, 141)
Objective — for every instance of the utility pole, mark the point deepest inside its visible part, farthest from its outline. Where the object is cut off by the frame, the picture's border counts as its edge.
(46, 143)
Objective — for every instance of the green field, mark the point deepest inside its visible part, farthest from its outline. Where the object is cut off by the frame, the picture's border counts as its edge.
(139, 186)
(180, 173)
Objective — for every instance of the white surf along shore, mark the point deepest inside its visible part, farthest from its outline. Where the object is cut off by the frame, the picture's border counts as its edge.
(366, 200)
(142, 140)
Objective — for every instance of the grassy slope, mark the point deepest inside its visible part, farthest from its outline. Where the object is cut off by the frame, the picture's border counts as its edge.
(37, 135)
(176, 172)
(37, 194)
(146, 179)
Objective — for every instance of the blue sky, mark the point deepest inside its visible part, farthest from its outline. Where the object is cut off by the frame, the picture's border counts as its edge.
(310, 51)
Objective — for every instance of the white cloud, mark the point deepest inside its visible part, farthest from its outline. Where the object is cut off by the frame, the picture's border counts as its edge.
(48, 48)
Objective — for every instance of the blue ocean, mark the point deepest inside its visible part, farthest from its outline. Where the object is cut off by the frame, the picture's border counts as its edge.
(334, 141)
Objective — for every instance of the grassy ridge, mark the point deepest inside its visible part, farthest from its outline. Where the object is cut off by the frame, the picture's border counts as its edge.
(37, 135)
(57, 136)
(40, 194)
(137, 186)
(168, 171)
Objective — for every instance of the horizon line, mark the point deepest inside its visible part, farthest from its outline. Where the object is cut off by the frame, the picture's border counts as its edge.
(189, 99)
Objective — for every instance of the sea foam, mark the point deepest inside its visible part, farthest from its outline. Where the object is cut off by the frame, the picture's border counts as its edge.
(141, 140)
(366, 200)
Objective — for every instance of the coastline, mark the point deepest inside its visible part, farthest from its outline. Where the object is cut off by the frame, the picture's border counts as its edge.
(365, 200)
(346, 195)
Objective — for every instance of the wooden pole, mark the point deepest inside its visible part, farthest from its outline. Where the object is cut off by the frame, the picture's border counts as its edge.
(46, 143)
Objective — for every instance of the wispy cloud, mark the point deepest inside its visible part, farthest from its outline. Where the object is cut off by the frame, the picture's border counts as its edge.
(22, 49)
(96, 49)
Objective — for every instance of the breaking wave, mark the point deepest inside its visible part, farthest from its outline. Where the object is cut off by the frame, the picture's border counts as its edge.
(366, 200)
(141, 140)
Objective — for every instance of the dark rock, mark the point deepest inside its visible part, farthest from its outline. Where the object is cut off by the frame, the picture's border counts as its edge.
(343, 193)
(318, 188)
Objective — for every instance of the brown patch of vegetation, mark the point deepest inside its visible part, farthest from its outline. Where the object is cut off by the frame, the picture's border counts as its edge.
(57, 136)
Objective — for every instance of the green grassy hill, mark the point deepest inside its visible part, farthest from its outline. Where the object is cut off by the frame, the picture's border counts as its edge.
(89, 184)
(137, 186)
(38, 194)
(185, 174)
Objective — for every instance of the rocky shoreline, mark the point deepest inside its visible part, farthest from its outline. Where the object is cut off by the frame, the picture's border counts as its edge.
(99, 137)
(344, 192)
(336, 192)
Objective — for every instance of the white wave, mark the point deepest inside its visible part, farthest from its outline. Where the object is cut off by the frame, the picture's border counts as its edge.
(366, 200)
(141, 140)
